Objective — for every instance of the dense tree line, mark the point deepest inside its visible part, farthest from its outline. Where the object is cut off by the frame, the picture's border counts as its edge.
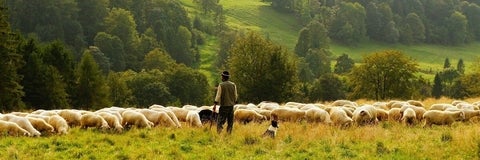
(93, 54)
(450, 22)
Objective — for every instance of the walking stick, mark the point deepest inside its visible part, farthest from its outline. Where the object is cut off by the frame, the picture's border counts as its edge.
(213, 117)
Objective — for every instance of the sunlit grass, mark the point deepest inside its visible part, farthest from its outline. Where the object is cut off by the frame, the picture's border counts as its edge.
(387, 140)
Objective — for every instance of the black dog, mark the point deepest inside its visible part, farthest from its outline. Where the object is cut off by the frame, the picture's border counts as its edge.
(272, 129)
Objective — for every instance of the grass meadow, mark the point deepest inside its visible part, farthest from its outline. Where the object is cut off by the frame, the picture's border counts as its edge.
(302, 140)
(258, 16)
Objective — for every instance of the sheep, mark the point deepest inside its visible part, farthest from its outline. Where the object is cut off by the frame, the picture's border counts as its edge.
(156, 106)
(246, 116)
(467, 106)
(381, 105)
(112, 120)
(469, 114)
(22, 122)
(415, 103)
(382, 115)
(307, 107)
(339, 117)
(71, 116)
(409, 117)
(180, 113)
(93, 120)
(157, 117)
(12, 129)
(59, 124)
(394, 114)
(441, 106)
(268, 105)
(193, 119)
(366, 114)
(442, 117)
(317, 115)
(134, 118)
(341, 102)
(266, 113)
(288, 114)
(41, 125)
(171, 114)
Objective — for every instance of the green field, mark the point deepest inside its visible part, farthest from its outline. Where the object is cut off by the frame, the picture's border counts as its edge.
(387, 140)
(254, 15)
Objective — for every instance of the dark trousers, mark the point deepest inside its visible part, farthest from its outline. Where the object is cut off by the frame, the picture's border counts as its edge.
(225, 114)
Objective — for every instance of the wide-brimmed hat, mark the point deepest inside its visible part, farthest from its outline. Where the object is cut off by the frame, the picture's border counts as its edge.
(225, 74)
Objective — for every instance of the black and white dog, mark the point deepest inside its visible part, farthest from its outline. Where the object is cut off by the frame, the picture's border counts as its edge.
(272, 129)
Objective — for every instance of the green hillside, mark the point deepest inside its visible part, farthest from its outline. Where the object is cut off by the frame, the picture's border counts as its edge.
(283, 29)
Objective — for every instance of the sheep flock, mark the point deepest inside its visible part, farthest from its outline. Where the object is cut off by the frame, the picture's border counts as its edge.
(340, 113)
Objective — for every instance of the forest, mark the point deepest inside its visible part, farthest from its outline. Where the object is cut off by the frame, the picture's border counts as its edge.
(91, 54)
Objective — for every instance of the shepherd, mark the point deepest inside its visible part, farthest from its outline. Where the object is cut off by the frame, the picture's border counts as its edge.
(226, 97)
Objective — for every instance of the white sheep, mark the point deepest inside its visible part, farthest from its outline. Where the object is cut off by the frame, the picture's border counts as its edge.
(12, 129)
(246, 115)
(22, 122)
(112, 120)
(317, 115)
(409, 117)
(41, 125)
(394, 115)
(157, 117)
(193, 119)
(288, 114)
(366, 114)
(60, 124)
(441, 106)
(442, 117)
(339, 117)
(71, 116)
(134, 118)
(93, 120)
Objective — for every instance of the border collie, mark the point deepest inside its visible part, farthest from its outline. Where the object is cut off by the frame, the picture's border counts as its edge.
(272, 129)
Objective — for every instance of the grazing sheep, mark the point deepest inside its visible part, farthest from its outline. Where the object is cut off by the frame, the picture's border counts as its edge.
(381, 105)
(266, 113)
(342, 102)
(442, 117)
(12, 129)
(339, 117)
(317, 115)
(455, 102)
(193, 119)
(466, 106)
(245, 116)
(60, 124)
(268, 105)
(382, 115)
(41, 125)
(71, 116)
(22, 122)
(112, 120)
(180, 113)
(157, 117)
(171, 115)
(394, 115)
(364, 115)
(441, 106)
(288, 114)
(469, 114)
(409, 117)
(415, 103)
(93, 120)
(156, 106)
(134, 118)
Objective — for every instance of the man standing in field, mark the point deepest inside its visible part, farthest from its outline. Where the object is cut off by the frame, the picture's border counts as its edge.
(227, 98)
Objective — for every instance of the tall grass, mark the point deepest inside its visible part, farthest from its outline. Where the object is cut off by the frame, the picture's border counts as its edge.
(387, 140)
